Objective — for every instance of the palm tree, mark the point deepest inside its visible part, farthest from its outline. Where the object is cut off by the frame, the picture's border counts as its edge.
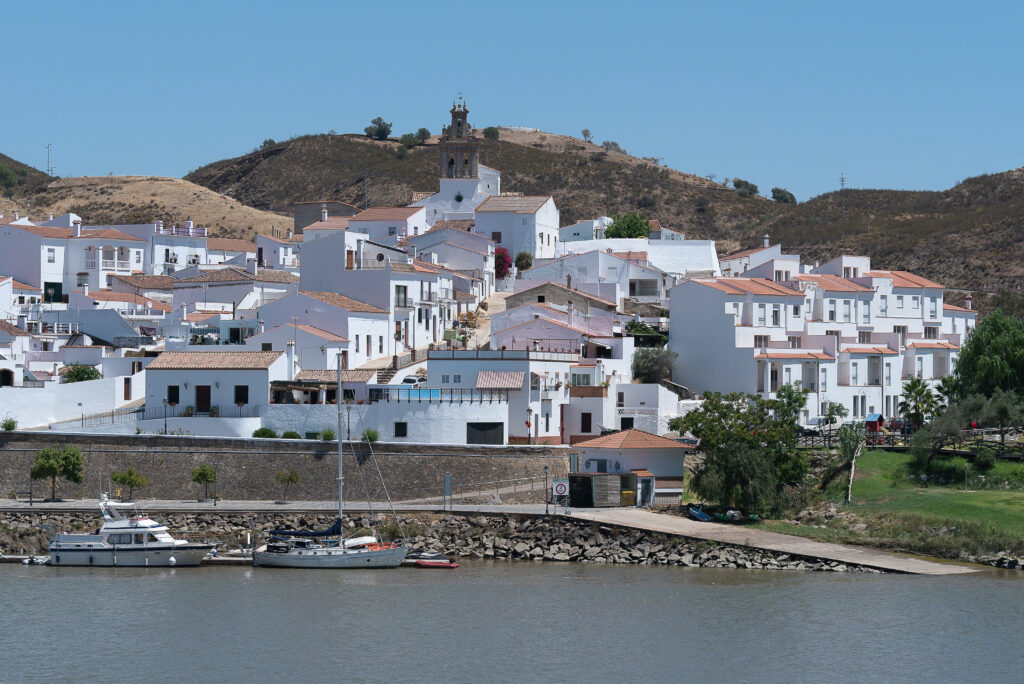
(918, 401)
(947, 391)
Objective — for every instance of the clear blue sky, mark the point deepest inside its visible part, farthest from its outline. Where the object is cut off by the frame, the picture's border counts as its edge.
(910, 95)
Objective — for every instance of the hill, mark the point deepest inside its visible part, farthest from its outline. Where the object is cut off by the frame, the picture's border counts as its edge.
(17, 178)
(142, 199)
(969, 236)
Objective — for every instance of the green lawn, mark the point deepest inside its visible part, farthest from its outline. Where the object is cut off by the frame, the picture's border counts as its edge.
(902, 513)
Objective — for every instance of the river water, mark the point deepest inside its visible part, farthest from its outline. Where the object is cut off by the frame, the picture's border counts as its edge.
(506, 622)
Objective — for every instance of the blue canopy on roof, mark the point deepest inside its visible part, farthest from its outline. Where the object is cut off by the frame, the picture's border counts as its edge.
(874, 417)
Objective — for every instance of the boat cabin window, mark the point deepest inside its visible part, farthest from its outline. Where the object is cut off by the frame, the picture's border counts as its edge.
(119, 539)
(139, 538)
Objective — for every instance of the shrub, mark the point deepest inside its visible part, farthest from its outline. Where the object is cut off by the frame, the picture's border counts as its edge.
(653, 365)
(369, 435)
(379, 129)
(7, 177)
(286, 478)
(524, 260)
(410, 140)
(78, 372)
(265, 433)
(291, 434)
(327, 435)
(631, 225)
(502, 262)
(401, 152)
(491, 133)
(129, 478)
(268, 143)
(612, 146)
(744, 188)
(783, 196)
(204, 475)
(423, 135)
(9, 424)
(58, 462)
(586, 134)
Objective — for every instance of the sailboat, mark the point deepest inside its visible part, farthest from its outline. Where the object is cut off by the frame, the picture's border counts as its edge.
(329, 548)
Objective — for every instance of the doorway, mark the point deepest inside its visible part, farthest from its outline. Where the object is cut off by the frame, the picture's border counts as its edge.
(202, 398)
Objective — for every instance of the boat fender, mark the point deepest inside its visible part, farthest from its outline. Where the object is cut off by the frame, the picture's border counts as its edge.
(171, 561)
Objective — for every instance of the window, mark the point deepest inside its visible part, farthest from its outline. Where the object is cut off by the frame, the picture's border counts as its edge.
(173, 393)
(899, 301)
(357, 343)
(267, 346)
(445, 379)
(541, 299)
(760, 314)
(796, 311)
(864, 337)
(138, 257)
(401, 429)
(620, 399)
(795, 342)
(51, 255)
(883, 305)
(776, 315)
(931, 332)
(933, 305)
(865, 311)
(831, 309)
(854, 368)
(824, 379)
(581, 379)
(586, 422)
(369, 345)
(83, 279)
(846, 311)
(833, 333)
(241, 394)
(496, 236)
(456, 378)
(380, 344)
(888, 374)
(901, 330)
(788, 375)
(915, 302)
(920, 366)
(760, 341)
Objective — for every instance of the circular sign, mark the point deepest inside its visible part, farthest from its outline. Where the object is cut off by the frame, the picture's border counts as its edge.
(561, 489)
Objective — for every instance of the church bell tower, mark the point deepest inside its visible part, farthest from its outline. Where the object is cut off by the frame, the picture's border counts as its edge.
(459, 149)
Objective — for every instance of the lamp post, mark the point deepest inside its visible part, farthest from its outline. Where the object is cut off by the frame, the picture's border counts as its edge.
(529, 425)
(165, 415)
(547, 494)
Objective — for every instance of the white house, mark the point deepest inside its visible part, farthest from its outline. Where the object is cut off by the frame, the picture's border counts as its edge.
(315, 348)
(230, 250)
(388, 225)
(520, 223)
(629, 277)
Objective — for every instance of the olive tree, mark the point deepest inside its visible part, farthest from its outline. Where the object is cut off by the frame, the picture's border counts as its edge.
(55, 462)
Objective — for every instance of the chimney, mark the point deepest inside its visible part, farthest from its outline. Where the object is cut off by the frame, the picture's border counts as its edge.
(968, 302)
(51, 215)
(263, 325)
(290, 353)
(15, 216)
(85, 289)
(290, 234)
(569, 314)
(77, 227)
(251, 267)
(568, 281)
(184, 312)
(323, 212)
(159, 226)
(767, 243)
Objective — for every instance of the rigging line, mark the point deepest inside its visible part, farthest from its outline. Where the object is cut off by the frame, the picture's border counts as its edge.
(380, 475)
(366, 493)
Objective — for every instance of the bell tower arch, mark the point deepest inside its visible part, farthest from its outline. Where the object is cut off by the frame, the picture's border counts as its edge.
(458, 148)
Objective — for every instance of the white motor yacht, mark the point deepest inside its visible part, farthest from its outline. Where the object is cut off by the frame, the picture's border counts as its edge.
(128, 537)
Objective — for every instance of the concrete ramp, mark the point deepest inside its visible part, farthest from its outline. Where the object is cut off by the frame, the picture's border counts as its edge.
(771, 541)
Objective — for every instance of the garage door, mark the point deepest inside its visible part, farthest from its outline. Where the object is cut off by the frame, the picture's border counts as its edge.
(485, 433)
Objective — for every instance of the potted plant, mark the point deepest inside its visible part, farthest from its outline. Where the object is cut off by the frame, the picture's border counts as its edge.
(190, 411)
(214, 411)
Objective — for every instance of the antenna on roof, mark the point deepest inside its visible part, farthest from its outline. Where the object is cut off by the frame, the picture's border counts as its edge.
(842, 193)
(49, 166)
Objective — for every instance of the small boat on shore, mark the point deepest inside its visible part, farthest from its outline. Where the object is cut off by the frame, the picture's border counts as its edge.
(429, 559)
(697, 513)
(127, 537)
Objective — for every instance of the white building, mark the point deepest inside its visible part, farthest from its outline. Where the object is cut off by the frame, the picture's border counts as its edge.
(624, 271)
(521, 223)
(388, 225)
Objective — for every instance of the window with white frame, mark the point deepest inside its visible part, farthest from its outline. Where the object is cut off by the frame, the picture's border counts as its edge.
(854, 373)
(831, 309)
(580, 379)
(888, 373)
(864, 337)
(760, 341)
(796, 311)
(446, 379)
(899, 301)
(760, 314)
(456, 378)
(51, 255)
(776, 315)
(865, 312)
(933, 307)
(931, 332)
(824, 379)
(915, 302)
(846, 310)
(796, 342)
(883, 305)
(920, 366)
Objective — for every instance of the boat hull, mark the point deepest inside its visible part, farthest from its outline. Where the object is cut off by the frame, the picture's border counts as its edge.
(332, 558)
(184, 557)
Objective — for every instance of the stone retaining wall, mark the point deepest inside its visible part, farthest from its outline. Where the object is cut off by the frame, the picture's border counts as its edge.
(246, 467)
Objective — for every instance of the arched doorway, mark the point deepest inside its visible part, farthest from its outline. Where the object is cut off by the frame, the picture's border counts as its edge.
(6, 377)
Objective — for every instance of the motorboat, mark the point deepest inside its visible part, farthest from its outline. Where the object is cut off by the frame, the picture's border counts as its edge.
(329, 548)
(430, 559)
(127, 538)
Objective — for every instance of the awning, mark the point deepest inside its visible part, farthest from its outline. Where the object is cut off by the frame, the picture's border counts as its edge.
(874, 417)
(500, 379)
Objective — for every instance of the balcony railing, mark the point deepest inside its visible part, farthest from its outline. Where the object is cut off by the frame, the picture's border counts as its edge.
(403, 302)
(108, 264)
(437, 395)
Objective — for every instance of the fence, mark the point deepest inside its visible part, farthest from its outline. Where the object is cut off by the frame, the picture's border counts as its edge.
(135, 414)
(1008, 445)
(514, 487)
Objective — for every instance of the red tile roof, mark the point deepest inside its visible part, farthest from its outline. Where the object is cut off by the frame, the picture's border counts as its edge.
(756, 286)
(931, 344)
(904, 279)
(12, 330)
(560, 286)
(343, 302)
(808, 355)
(108, 296)
(69, 233)
(831, 283)
(386, 214)
(954, 307)
(525, 204)
(332, 223)
(869, 349)
(641, 472)
(233, 274)
(18, 285)
(331, 376)
(318, 332)
(212, 360)
(500, 379)
(230, 245)
(147, 282)
(632, 439)
(746, 252)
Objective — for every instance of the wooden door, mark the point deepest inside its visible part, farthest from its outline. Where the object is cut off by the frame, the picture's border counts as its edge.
(202, 398)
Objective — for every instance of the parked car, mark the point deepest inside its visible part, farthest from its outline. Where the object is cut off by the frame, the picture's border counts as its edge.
(412, 381)
(813, 426)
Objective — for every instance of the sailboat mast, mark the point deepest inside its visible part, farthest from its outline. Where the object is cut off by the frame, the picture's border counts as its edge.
(341, 436)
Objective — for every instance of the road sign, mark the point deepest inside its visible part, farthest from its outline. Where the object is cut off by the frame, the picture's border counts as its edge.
(560, 487)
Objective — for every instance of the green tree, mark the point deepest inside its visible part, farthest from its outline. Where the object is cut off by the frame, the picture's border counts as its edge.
(612, 146)
(8, 178)
(129, 478)
(286, 478)
(946, 390)
(918, 402)
(9, 424)
(423, 135)
(204, 475)
(1009, 302)
(992, 357)
(737, 475)
(79, 372)
(832, 412)
(849, 438)
(630, 225)
(524, 260)
(744, 188)
(54, 462)
(781, 195)
(652, 365)
(492, 133)
(379, 129)
(409, 140)
(502, 263)
(268, 143)
(586, 134)
(1002, 411)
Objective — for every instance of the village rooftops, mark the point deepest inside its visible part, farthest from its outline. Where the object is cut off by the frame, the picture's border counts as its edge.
(145, 282)
(930, 344)
(234, 274)
(500, 379)
(213, 360)
(332, 223)
(632, 439)
(230, 245)
(793, 355)
(386, 214)
(525, 204)
(343, 302)
(744, 286)
(86, 233)
(311, 330)
(954, 307)
(904, 279)
(325, 201)
(831, 283)
(24, 287)
(13, 330)
(127, 297)
(745, 253)
(552, 283)
(330, 377)
(861, 349)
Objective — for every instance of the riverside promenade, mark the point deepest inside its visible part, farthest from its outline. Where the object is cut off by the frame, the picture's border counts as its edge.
(633, 518)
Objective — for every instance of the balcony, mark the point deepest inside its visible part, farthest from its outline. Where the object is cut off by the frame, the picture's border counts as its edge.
(108, 265)
(403, 302)
(427, 297)
(580, 391)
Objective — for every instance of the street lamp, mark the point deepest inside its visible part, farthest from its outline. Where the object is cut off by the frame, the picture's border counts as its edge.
(547, 494)
(165, 415)
(529, 424)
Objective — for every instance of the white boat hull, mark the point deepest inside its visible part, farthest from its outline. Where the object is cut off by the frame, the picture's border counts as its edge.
(152, 557)
(332, 558)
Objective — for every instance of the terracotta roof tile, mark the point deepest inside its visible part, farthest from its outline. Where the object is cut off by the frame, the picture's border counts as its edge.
(343, 302)
(808, 355)
(526, 204)
(756, 286)
(331, 376)
(13, 330)
(831, 283)
(500, 379)
(904, 279)
(386, 214)
(18, 285)
(108, 296)
(632, 439)
(318, 332)
(212, 360)
(869, 349)
(560, 286)
(231, 274)
(746, 252)
(931, 344)
(230, 245)
(954, 307)
(332, 223)
(148, 282)
(69, 233)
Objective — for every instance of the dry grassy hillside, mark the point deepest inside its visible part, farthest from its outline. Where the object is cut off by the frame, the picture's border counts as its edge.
(143, 199)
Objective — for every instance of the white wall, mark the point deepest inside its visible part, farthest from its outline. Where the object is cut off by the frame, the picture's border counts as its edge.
(40, 406)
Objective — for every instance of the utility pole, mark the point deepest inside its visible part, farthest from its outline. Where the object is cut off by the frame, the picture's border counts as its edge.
(49, 166)
(842, 193)
(365, 206)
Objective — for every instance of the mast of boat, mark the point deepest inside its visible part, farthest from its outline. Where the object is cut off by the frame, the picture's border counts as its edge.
(341, 435)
